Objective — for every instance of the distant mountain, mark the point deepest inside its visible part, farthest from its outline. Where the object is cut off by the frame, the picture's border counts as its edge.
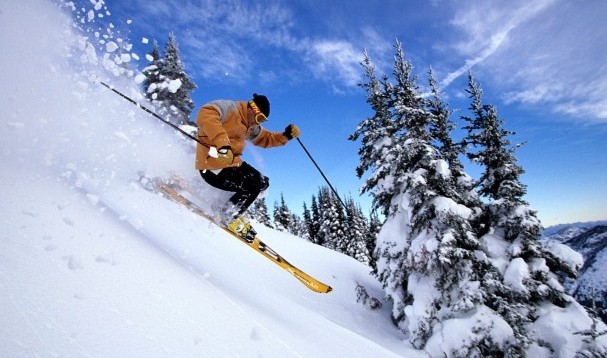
(570, 229)
(590, 240)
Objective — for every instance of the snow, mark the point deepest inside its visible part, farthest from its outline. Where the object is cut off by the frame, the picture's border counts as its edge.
(484, 321)
(445, 206)
(442, 168)
(495, 246)
(139, 78)
(174, 85)
(111, 46)
(213, 152)
(554, 326)
(516, 273)
(125, 57)
(569, 256)
(424, 285)
(93, 265)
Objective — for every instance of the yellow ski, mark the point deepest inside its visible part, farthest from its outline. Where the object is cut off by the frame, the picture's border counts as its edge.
(169, 191)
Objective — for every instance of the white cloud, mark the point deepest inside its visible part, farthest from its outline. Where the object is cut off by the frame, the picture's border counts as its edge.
(257, 40)
(543, 53)
(336, 59)
(217, 36)
(487, 27)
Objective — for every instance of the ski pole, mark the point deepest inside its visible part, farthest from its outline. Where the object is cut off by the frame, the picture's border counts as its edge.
(321, 173)
(153, 114)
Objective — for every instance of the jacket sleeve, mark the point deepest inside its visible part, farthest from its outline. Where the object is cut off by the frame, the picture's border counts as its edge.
(267, 139)
(210, 128)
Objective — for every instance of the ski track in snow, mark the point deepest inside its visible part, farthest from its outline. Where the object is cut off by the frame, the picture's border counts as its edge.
(37, 309)
(188, 264)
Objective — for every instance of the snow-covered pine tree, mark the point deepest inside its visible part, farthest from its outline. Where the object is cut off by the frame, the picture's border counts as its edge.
(488, 145)
(427, 250)
(173, 91)
(357, 233)
(441, 132)
(298, 227)
(314, 227)
(377, 135)
(332, 221)
(442, 127)
(151, 74)
(307, 221)
(282, 215)
(261, 214)
(375, 225)
(388, 176)
(527, 291)
(596, 331)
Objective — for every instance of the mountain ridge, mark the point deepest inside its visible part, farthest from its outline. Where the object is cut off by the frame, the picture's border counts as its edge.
(590, 240)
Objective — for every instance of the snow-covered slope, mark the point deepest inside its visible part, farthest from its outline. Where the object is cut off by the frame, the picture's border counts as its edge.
(131, 274)
(592, 282)
(590, 240)
(92, 265)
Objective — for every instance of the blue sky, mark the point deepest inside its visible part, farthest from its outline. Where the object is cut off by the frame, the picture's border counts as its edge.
(541, 63)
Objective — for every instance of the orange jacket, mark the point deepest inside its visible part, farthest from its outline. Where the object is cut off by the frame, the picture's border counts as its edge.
(224, 123)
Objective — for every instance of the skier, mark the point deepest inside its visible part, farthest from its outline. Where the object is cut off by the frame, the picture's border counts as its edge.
(224, 125)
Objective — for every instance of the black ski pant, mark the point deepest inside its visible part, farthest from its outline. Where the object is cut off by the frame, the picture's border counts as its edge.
(245, 181)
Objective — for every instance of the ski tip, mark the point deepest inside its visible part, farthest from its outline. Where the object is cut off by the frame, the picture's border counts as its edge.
(317, 289)
(322, 288)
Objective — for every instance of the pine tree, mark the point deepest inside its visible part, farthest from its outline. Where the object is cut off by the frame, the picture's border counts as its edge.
(314, 227)
(375, 225)
(527, 288)
(357, 233)
(592, 348)
(282, 215)
(260, 212)
(331, 221)
(377, 135)
(392, 249)
(427, 249)
(380, 154)
(307, 221)
(495, 154)
(173, 91)
(442, 127)
(298, 227)
(152, 78)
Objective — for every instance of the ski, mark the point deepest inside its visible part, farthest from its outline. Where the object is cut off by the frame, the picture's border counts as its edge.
(170, 191)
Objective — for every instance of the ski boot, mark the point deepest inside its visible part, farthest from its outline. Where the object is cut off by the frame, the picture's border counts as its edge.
(242, 227)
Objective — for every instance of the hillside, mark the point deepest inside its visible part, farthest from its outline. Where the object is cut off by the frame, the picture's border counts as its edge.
(590, 240)
(92, 265)
(129, 273)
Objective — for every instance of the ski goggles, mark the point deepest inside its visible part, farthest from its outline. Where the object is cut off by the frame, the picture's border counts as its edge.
(259, 117)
